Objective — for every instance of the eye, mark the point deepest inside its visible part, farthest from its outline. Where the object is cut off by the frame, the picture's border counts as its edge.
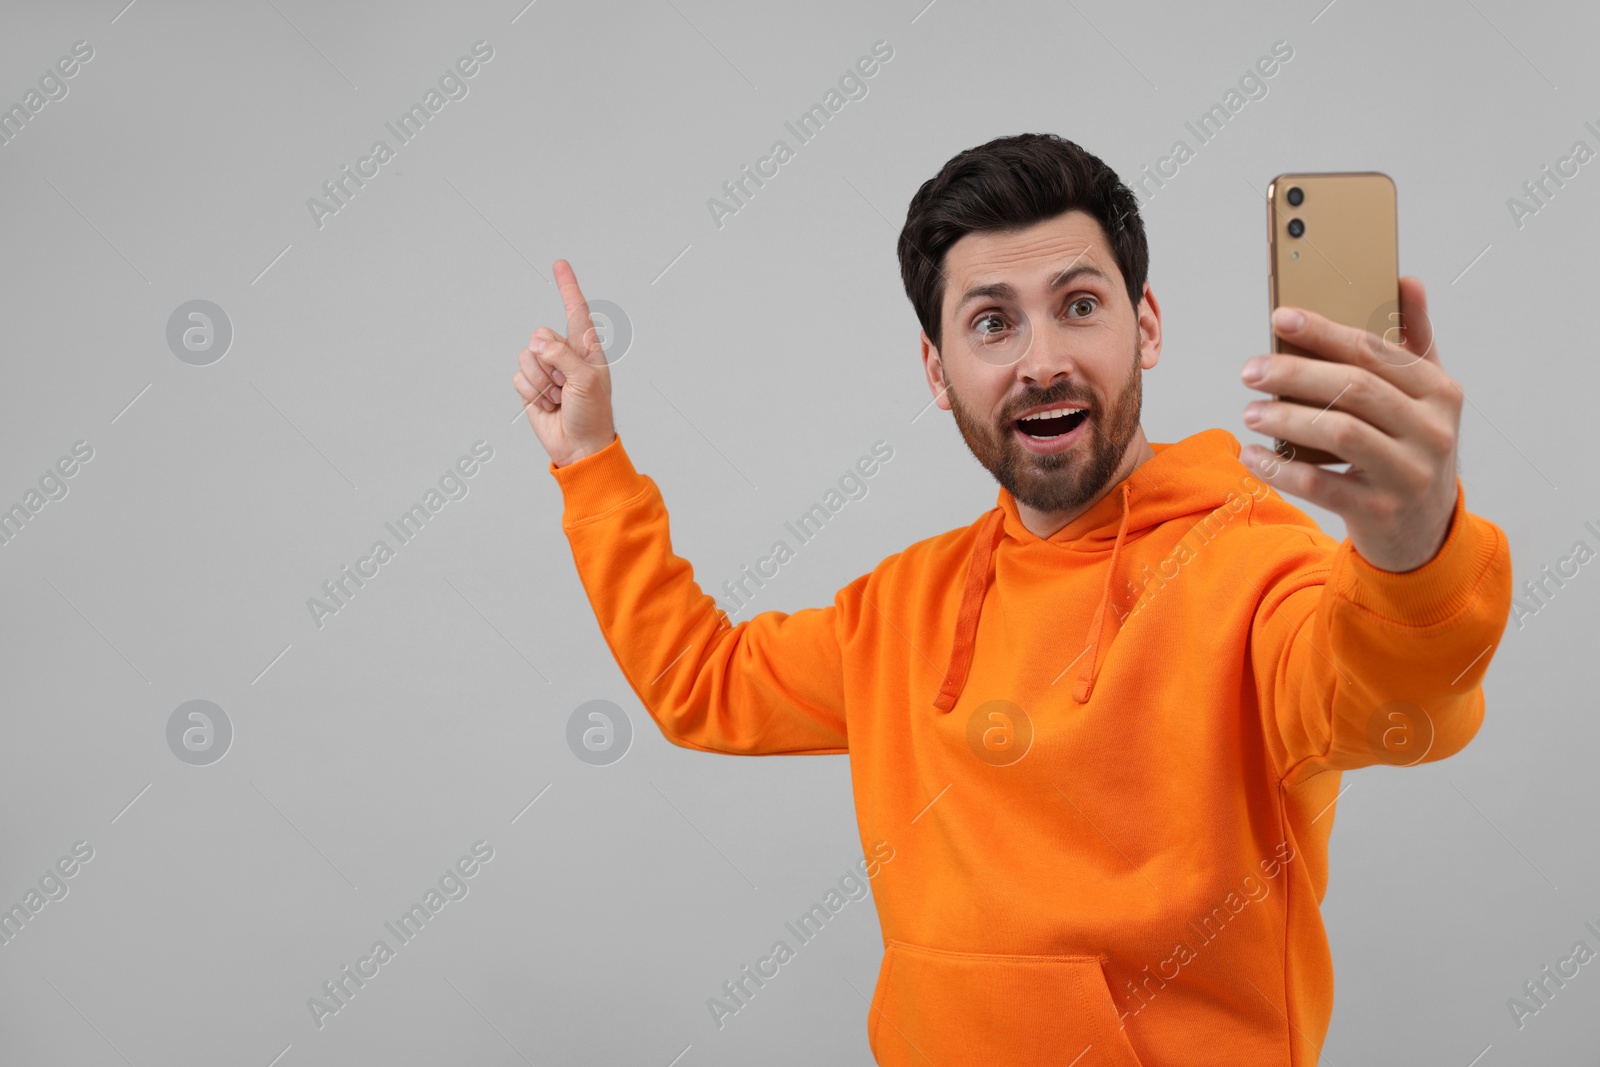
(1091, 301)
(991, 317)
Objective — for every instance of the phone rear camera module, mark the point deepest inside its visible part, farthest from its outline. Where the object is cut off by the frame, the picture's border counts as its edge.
(1296, 228)
(1295, 196)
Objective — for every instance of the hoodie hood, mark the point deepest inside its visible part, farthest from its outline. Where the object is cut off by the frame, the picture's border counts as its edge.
(1183, 481)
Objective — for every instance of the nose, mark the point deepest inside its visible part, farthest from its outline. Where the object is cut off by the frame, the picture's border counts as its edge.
(1049, 356)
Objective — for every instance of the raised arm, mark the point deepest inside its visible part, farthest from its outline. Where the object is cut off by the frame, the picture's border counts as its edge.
(769, 685)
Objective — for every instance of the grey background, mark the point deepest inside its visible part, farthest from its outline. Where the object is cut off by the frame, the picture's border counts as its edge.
(369, 354)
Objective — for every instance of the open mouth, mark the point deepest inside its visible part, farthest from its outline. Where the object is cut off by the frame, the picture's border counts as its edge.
(1045, 425)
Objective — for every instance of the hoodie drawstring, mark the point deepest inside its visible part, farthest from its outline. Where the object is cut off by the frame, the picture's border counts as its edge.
(1104, 617)
(1104, 622)
(955, 674)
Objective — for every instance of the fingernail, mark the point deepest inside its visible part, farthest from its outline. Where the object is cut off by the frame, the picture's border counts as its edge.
(536, 345)
(1252, 413)
(1288, 318)
(1255, 368)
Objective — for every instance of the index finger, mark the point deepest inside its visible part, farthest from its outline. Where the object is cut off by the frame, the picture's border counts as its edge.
(1323, 337)
(580, 328)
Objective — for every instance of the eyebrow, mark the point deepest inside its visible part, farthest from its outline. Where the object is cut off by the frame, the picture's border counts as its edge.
(1004, 291)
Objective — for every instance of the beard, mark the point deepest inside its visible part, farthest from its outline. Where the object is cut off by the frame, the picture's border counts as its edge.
(1065, 481)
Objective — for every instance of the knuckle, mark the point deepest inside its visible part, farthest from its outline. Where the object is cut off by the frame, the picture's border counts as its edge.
(1441, 436)
(1359, 386)
(1342, 432)
(1450, 403)
(1374, 346)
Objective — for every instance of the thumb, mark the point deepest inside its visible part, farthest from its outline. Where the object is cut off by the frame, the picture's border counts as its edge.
(1418, 327)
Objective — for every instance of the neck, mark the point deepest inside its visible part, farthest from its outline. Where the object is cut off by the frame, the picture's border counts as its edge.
(1042, 524)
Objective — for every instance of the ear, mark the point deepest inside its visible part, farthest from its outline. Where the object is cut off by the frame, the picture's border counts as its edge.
(1149, 329)
(933, 367)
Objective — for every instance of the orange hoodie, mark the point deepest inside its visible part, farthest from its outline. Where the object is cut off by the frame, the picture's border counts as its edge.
(1106, 760)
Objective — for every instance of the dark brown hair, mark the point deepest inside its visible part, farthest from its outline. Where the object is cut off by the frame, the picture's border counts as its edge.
(1010, 184)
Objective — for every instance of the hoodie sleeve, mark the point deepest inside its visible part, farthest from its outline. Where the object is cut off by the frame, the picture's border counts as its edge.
(770, 685)
(1356, 666)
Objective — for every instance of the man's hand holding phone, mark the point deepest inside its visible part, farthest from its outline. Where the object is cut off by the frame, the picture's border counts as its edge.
(565, 382)
(1389, 409)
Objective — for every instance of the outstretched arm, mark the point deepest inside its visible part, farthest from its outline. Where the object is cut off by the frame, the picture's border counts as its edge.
(1378, 655)
(1356, 666)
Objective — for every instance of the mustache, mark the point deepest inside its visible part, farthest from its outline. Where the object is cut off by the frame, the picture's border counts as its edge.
(1046, 398)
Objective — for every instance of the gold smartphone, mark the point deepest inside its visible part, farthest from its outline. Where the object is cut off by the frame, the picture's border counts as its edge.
(1333, 248)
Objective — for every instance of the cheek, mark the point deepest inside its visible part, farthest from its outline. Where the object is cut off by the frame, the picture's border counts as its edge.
(986, 398)
(980, 389)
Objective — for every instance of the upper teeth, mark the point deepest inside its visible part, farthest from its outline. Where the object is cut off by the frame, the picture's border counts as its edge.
(1054, 413)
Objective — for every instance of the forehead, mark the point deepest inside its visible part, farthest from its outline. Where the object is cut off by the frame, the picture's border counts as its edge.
(1027, 258)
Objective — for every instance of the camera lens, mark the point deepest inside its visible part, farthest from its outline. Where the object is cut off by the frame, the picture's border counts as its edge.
(1296, 227)
(1295, 196)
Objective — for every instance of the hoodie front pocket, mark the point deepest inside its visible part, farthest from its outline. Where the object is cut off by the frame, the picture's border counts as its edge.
(936, 1008)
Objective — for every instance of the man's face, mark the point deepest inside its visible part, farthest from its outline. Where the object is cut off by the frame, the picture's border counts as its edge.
(1039, 319)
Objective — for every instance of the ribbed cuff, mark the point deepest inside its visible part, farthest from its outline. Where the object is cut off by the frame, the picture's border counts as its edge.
(1434, 592)
(597, 483)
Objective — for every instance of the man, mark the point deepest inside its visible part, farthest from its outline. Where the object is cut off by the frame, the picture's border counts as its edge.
(1103, 726)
